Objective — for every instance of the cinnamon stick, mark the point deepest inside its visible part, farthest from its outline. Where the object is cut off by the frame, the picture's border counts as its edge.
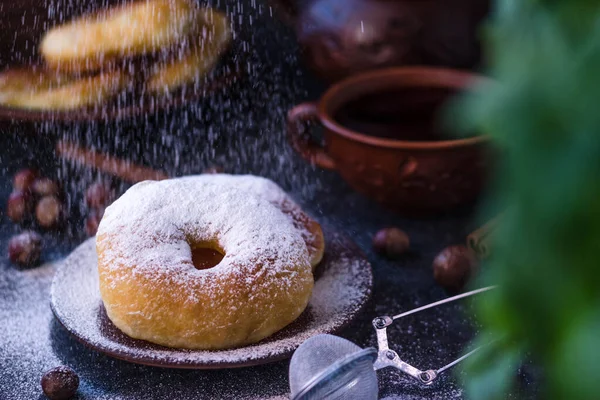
(123, 169)
(479, 241)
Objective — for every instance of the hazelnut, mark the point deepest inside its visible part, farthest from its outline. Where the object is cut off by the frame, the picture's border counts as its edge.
(49, 212)
(45, 187)
(24, 179)
(392, 242)
(19, 206)
(25, 249)
(99, 195)
(453, 267)
(93, 221)
(60, 383)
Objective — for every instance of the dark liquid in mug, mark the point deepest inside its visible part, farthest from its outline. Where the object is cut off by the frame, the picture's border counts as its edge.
(403, 114)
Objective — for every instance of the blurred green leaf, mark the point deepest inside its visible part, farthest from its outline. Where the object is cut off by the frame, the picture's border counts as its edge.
(491, 371)
(543, 113)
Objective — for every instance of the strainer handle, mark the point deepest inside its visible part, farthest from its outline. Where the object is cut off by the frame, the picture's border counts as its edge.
(445, 301)
(389, 358)
(464, 357)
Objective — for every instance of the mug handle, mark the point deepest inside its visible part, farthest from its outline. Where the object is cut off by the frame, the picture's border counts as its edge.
(301, 140)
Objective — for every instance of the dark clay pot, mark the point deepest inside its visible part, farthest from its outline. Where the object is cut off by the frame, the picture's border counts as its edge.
(344, 37)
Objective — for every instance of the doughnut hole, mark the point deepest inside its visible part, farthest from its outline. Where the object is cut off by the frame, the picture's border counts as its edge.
(206, 255)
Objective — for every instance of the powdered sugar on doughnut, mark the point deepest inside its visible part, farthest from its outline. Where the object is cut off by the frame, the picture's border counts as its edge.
(270, 191)
(165, 210)
(255, 185)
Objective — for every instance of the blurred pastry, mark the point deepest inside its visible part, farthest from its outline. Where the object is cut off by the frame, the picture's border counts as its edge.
(20, 80)
(45, 90)
(207, 45)
(97, 41)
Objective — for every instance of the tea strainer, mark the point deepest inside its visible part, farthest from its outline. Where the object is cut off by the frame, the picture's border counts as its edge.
(330, 367)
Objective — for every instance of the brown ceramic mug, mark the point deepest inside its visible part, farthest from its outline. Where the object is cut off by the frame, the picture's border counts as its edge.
(380, 134)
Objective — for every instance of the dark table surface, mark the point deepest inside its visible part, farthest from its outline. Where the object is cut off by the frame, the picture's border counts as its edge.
(242, 130)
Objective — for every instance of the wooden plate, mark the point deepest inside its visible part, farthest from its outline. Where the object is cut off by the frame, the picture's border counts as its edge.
(342, 288)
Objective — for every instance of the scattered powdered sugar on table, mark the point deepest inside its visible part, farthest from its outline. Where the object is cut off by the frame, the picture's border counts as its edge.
(343, 287)
(24, 314)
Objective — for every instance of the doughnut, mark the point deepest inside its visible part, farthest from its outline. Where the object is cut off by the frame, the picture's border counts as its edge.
(198, 60)
(309, 228)
(95, 41)
(152, 290)
(46, 90)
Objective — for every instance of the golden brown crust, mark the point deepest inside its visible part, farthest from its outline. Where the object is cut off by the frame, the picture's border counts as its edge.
(97, 41)
(226, 324)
